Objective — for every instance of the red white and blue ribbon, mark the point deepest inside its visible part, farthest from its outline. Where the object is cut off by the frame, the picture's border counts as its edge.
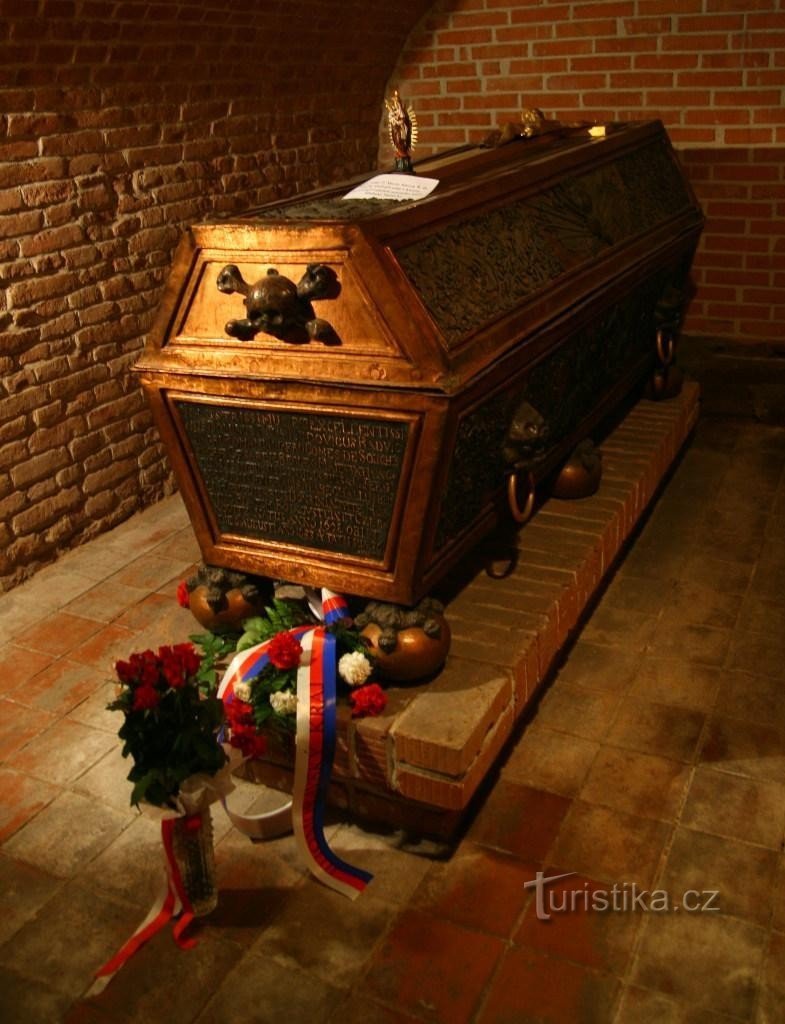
(314, 745)
(172, 903)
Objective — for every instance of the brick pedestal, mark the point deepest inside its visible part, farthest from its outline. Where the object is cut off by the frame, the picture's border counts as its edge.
(419, 764)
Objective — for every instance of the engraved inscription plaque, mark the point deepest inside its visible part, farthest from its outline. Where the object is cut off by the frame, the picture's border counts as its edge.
(320, 481)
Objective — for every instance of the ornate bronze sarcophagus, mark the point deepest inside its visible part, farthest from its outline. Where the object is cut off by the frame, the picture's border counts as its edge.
(351, 389)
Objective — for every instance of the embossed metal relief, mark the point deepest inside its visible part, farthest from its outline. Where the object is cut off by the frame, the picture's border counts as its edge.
(481, 268)
(320, 481)
(326, 208)
(278, 306)
(523, 424)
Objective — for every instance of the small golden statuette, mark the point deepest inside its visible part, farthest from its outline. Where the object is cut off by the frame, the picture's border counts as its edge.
(402, 126)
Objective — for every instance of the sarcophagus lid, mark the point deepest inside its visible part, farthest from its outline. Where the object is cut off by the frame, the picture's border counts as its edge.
(343, 385)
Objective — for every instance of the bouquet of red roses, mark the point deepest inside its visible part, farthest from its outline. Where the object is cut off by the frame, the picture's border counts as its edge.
(169, 729)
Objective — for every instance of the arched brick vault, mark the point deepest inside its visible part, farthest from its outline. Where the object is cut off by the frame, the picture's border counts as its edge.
(123, 121)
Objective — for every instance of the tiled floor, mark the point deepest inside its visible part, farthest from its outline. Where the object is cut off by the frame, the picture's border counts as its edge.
(656, 758)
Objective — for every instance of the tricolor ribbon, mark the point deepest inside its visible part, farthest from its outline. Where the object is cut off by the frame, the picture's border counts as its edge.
(172, 903)
(314, 746)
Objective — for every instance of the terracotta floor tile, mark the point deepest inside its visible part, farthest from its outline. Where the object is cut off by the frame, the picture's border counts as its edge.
(716, 433)
(636, 594)
(181, 545)
(701, 606)
(576, 710)
(567, 925)
(92, 711)
(762, 653)
(610, 845)
(52, 842)
(477, 887)
(21, 798)
(157, 983)
(62, 753)
(358, 1009)
(546, 759)
(744, 748)
(662, 729)
(55, 585)
(676, 681)
(743, 875)
(769, 582)
(650, 562)
(642, 1006)
(318, 936)
(130, 868)
(772, 1000)
(77, 932)
(519, 820)
(701, 644)
(104, 648)
(255, 886)
(432, 968)
(753, 698)
(20, 724)
(106, 601)
(59, 688)
(757, 615)
(397, 866)
(600, 668)
(19, 613)
(23, 1001)
(736, 543)
(730, 577)
(620, 627)
(149, 572)
(87, 1013)
(778, 899)
(59, 633)
(18, 664)
(152, 609)
(736, 807)
(107, 778)
(24, 890)
(532, 988)
(710, 961)
(642, 784)
(261, 990)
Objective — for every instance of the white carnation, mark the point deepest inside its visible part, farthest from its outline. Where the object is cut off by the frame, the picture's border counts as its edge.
(284, 702)
(354, 668)
(242, 691)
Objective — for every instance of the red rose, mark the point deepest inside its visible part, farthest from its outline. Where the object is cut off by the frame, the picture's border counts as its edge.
(183, 595)
(368, 700)
(189, 658)
(171, 668)
(248, 741)
(284, 651)
(145, 697)
(147, 668)
(244, 734)
(125, 672)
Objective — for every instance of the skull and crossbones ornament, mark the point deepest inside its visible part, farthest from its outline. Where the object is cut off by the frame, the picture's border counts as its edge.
(278, 306)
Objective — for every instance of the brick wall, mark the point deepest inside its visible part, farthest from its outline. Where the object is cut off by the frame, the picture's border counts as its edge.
(713, 70)
(120, 124)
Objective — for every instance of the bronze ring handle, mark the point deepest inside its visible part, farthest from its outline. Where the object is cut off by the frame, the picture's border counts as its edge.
(518, 514)
(664, 347)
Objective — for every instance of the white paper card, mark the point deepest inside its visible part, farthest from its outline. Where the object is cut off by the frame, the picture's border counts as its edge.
(394, 186)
